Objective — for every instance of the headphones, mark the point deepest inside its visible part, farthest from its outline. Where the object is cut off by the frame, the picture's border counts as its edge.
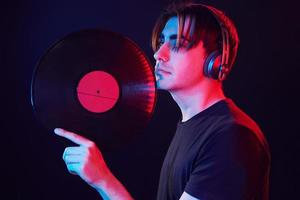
(216, 65)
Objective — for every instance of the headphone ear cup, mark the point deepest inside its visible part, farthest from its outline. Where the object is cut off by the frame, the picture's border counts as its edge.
(212, 65)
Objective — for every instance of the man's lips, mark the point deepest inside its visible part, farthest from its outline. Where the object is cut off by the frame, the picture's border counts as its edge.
(162, 71)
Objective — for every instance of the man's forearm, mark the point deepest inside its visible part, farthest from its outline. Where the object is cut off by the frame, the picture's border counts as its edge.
(112, 189)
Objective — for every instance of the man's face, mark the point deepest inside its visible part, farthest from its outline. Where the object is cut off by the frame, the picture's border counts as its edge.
(178, 69)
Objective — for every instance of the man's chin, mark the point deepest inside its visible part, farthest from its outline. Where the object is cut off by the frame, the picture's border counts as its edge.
(162, 87)
(163, 84)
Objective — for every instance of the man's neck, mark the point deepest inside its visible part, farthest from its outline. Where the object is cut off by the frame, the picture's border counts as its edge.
(194, 100)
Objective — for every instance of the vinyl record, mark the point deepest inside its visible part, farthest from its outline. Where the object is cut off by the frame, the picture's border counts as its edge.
(96, 83)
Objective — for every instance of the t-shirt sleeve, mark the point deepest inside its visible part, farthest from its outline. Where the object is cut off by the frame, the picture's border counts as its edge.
(229, 167)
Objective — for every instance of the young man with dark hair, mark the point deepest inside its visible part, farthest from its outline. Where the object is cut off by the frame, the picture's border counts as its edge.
(217, 152)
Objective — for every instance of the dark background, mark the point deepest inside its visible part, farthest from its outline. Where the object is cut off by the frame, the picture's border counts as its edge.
(264, 83)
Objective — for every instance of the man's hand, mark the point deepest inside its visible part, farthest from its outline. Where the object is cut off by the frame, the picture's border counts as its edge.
(84, 160)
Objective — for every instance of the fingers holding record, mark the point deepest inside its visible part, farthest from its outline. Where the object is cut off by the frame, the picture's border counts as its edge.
(74, 158)
(78, 150)
(74, 168)
(74, 155)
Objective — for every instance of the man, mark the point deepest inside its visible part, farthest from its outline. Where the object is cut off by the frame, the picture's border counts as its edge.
(217, 152)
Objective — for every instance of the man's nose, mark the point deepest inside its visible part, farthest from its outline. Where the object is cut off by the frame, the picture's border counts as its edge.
(162, 54)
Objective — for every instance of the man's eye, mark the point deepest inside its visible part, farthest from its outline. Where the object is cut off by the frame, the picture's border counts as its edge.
(173, 45)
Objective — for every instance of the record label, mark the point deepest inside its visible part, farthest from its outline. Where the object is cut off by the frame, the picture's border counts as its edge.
(98, 91)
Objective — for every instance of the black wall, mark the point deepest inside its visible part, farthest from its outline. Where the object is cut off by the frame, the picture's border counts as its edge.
(264, 83)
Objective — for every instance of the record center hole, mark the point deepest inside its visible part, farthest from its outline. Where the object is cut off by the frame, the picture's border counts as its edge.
(98, 91)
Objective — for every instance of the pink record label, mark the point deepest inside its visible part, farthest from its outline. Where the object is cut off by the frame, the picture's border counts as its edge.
(98, 91)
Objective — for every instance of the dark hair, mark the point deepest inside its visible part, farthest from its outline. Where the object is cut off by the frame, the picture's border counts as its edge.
(203, 26)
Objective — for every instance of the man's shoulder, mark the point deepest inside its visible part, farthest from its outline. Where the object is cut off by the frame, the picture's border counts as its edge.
(232, 121)
(230, 116)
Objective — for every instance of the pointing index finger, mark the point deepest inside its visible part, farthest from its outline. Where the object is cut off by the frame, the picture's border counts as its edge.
(78, 139)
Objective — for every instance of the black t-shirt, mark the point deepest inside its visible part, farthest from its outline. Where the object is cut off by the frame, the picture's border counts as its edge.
(219, 154)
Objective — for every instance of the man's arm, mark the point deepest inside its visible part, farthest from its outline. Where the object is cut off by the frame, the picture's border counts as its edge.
(87, 162)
